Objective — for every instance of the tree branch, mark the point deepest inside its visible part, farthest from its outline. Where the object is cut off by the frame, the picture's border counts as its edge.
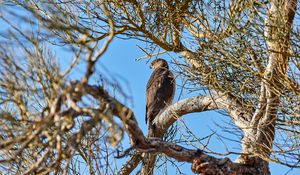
(200, 104)
(131, 164)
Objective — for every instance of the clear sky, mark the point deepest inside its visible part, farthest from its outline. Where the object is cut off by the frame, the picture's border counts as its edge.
(120, 61)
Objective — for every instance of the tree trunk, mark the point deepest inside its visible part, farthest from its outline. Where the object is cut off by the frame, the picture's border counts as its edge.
(257, 141)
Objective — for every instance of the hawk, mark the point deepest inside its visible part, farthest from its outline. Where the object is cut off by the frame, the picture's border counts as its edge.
(160, 91)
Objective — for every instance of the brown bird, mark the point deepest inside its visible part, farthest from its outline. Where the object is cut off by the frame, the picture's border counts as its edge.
(160, 91)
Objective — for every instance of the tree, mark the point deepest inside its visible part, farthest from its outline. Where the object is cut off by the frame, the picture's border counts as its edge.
(244, 53)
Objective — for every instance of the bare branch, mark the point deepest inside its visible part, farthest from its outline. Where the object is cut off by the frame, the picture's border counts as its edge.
(200, 104)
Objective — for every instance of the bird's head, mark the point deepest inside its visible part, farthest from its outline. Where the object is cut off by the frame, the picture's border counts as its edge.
(159, 63)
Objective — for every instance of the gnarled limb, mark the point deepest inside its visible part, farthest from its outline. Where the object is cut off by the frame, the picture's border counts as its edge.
(212, 166)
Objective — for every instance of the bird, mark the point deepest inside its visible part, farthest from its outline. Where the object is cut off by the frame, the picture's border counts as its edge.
(160, 92)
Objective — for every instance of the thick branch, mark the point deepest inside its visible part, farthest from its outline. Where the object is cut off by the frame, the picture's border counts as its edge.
(202, 163)
(206, 165)
(200, 104)
(131, 164)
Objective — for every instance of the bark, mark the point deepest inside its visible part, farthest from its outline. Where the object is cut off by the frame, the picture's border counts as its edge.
(131, 164)
(214, 101)
(221, 167)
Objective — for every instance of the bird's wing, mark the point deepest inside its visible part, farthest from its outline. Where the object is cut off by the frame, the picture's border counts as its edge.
(159, 92)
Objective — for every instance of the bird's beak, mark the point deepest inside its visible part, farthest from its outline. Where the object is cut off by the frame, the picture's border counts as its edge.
(150, 67)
